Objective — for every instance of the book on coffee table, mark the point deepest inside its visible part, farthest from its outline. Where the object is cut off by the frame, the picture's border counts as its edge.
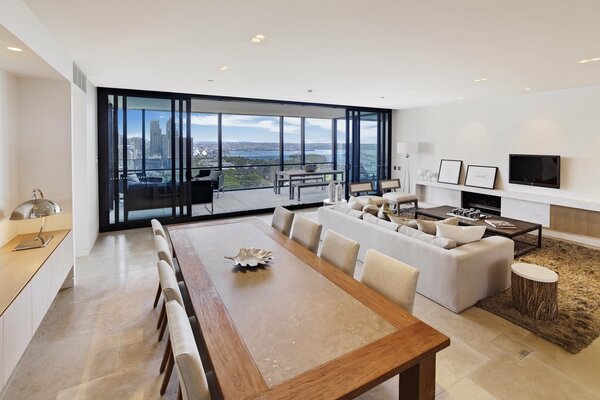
(500, 224)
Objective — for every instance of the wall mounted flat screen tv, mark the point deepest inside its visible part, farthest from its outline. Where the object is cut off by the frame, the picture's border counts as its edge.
(534, 170)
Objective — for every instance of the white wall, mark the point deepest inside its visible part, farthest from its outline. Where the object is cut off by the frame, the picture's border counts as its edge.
(8, 155)
(485, 132)
(85, 170)
(44, 147)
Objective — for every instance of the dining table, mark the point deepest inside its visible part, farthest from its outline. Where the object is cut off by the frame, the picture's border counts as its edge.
(292, 175)
(296, 327)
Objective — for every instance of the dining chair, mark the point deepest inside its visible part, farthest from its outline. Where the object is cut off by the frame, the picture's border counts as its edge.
(282, 220)
(176, 291)
(391, 278)
(356, 188)
(164, 253)
(340, 251)
(158, 229)
(193, 384)
(306, 232)
(389, 187)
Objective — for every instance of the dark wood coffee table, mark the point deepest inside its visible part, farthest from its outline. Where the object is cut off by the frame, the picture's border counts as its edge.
(522, 227)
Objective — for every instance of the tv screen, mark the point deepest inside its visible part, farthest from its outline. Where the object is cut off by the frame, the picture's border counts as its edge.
(534, 170)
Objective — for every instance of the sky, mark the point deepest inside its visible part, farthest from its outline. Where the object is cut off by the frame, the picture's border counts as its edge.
(248, 128)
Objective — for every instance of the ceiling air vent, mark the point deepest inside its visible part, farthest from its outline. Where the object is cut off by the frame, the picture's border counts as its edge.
(79, 78)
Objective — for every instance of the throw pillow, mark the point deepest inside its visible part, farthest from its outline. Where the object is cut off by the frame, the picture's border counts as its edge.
(436, 241)
(356, 213)
(371, 209)
(356, 205)
(429, 227)
(460, 234)
(384, 212)
(370, 218)
(403, 221)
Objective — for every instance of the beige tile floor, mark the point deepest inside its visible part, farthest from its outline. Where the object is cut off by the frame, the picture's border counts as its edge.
(98, 341)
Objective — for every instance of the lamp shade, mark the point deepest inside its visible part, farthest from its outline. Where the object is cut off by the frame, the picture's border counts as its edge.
(407, 147)
(37, 207)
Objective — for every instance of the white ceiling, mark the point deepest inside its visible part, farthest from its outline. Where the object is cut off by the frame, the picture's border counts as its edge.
(25, 63)
(411, 52)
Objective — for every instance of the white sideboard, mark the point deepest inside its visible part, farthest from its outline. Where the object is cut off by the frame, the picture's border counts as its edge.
(29, 282)
(532, 207)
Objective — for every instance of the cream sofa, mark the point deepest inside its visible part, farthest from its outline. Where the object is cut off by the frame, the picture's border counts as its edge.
(456, 278)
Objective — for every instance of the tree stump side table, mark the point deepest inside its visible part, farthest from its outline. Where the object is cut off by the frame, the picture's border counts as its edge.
(534, 291)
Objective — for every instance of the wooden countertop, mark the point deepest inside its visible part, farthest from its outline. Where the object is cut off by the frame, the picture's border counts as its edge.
(18, 267)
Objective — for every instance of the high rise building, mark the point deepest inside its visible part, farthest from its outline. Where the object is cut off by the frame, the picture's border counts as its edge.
(156, 142)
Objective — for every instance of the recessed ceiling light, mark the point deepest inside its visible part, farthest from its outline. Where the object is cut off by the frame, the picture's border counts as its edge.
(210, 80)
(527, 88)
(382, 97)
(481, 79)
(309, 90)
(461, 98)
(224, 68)
(258, 38)
(11, 48)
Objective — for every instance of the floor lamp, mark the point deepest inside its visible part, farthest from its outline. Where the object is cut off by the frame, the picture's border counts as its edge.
(406, 148)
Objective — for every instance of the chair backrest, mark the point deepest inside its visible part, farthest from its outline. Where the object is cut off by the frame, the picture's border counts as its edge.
(163, 250)
(389, 184)
(360, 187)
(340, 251)
(158, 229)
(168, 282)
(391, 278)
(282, 220)
(306, 232)
(188, 364)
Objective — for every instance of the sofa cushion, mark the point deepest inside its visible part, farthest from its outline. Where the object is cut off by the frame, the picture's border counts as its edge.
(378, 221)
(403, 221)
(429, 227)
(444, 243)
(460, 234)
(371, 209)
(344, 209)
(356, 213)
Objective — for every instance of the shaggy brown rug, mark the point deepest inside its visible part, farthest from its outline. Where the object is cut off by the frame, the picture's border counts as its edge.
(578, 321)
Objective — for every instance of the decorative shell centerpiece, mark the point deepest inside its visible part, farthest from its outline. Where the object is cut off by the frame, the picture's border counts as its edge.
(251, 257)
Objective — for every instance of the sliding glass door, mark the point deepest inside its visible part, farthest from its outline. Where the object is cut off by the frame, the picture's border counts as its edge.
(368, 136)
(147, 159)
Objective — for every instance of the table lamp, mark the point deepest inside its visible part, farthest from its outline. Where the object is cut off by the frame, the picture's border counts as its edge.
(37, 207)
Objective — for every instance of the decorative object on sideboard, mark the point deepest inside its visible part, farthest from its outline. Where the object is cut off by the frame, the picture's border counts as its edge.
(481, 176)
(472, 214)
(406, 148)
(310, 168)
(339, 192)
(37, 207)
(449, 171)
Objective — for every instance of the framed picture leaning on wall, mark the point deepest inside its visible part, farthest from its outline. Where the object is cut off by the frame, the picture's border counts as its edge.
(481, 176)
(450, 171)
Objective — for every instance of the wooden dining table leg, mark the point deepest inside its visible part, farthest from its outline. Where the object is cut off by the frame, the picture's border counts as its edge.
(418, 382)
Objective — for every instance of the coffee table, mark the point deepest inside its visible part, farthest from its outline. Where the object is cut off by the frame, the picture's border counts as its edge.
(522, 227)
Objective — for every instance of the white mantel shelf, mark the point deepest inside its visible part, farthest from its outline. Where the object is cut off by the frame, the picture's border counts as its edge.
(584, 204)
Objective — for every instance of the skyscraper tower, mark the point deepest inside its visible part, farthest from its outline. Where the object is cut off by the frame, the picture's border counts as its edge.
(167, 139)
(155, 138)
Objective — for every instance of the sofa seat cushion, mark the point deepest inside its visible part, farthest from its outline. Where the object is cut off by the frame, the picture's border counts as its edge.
(460, 234)
(381, 222)
(444, 243)
(430, 227)
(403, 221)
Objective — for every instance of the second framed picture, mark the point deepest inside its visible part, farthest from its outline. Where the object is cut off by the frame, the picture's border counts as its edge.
(450, 171)
(481, 176)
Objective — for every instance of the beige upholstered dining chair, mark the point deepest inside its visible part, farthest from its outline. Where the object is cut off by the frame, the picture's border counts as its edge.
(282, 220)
(340, 251)
(306, 232)
(188, 365)
(159, 230)
(391, 278)
(176, 291)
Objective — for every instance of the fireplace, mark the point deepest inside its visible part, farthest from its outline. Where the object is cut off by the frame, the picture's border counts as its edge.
(488, 204)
